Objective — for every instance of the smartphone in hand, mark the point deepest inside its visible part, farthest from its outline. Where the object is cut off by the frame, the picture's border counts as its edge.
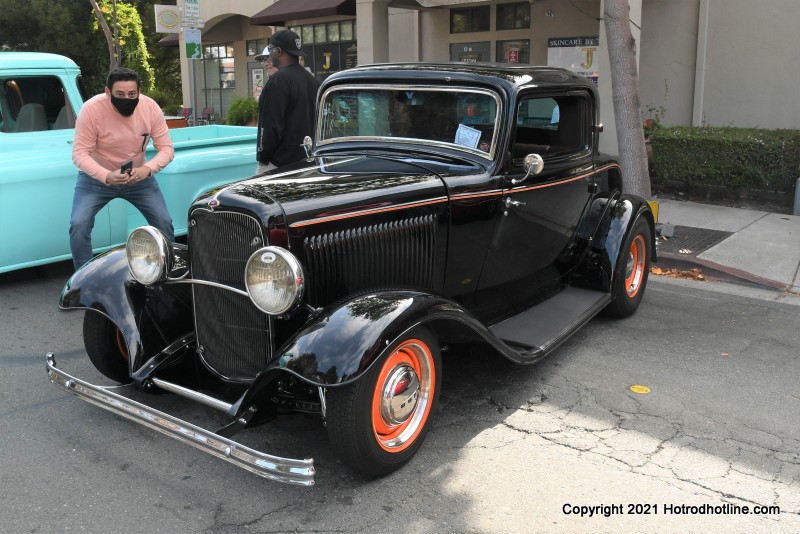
(126, 167)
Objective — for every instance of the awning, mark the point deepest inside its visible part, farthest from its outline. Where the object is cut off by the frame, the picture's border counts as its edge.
(173, 39)
(284, 10)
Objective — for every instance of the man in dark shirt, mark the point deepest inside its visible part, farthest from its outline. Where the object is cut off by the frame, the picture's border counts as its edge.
(286, 105)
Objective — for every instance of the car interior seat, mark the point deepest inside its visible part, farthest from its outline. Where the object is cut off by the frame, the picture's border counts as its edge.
(63, 121)
(31, 118)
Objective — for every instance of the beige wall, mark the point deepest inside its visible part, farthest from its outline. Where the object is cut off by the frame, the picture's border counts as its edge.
(668, 54)
(404, 35)
(751, 75)
(743, 76)
(434, 31)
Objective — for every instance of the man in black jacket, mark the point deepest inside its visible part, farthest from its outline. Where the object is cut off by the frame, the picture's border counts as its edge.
(286, 105)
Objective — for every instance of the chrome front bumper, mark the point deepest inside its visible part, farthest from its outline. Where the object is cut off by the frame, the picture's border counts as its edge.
(287, 470)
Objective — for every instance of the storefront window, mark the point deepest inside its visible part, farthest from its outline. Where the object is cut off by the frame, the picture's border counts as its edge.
(346, 30)
(517, 51)
(307, 35)
(473, 19)
(255, 46)
(330, 46)
(333, 32)
(320, 35)
(471, 52)
(222, 56)
(513, 16)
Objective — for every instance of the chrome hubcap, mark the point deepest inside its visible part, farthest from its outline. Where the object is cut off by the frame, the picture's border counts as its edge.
(631, 265)
(400, 395)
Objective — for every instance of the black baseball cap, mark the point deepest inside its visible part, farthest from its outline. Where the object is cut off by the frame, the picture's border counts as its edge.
(288, 41)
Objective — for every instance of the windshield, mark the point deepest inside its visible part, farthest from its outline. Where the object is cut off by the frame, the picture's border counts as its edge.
(462, 118)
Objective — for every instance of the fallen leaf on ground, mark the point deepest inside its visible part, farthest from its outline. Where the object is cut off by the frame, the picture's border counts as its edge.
(691, 274)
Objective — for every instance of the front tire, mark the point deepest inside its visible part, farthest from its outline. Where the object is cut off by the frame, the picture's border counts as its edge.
(378, 423)
(105, 346)
(632, 270)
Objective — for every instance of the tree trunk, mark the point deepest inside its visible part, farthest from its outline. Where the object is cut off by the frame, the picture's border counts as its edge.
(625, 93)
(113, 47)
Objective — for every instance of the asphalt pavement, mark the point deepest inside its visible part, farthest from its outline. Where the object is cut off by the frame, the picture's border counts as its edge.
(734, 244)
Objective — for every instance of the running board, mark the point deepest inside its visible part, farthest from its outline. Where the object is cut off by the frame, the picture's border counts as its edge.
(538, 331)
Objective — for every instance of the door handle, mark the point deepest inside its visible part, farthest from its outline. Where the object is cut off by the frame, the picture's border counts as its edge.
(508, 202)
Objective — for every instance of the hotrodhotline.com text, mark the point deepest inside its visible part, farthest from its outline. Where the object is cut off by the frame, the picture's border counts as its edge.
(607, 510)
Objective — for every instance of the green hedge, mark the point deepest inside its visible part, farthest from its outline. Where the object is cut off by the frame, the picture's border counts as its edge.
(242, 111)
(739, 159)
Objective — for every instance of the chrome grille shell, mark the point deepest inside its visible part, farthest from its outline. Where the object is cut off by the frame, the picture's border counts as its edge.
(233, 336)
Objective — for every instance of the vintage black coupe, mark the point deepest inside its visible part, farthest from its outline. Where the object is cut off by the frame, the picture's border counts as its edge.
(440, 205)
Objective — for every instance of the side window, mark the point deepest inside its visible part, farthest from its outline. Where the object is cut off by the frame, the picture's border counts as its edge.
(34, 103)
(551, 126)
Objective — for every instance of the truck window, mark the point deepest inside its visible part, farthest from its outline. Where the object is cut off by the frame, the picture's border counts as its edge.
(34, 103)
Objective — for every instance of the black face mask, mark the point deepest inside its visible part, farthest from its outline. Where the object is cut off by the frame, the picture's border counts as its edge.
(125, 105)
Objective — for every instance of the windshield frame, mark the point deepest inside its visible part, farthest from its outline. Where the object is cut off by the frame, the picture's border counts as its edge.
(411, 140)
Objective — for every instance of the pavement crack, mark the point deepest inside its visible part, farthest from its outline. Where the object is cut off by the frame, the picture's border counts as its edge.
(497, 405)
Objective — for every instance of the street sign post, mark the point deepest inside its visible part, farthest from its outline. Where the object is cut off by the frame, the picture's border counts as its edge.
(191, 21)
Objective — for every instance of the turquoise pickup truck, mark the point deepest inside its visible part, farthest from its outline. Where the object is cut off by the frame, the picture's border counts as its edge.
(40, 96)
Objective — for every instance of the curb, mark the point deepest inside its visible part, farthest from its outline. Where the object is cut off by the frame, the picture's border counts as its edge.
(717, 271)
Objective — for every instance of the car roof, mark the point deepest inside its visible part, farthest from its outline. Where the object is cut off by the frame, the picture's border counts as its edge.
(508, 75)
(19, 61)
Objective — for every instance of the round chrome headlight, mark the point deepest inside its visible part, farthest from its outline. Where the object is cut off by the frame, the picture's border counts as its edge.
(274, 280)
(149, 254)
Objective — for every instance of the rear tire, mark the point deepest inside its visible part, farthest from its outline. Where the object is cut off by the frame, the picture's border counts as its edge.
(105, 346)
(632, 270)
(378, 423)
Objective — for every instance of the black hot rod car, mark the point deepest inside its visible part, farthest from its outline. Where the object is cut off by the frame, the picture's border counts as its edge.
(440, 204)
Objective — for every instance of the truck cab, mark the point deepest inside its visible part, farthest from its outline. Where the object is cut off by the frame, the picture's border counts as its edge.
(40, 97)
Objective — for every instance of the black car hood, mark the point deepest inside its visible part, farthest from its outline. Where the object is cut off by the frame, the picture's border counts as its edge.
(336, 187)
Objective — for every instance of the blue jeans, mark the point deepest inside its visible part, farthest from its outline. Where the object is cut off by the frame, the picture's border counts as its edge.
(92, 195)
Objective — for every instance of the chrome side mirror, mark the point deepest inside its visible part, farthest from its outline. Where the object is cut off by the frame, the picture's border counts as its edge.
(308, 145)
(533, 165)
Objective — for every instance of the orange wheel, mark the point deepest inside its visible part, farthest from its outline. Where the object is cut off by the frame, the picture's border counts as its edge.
(401, 402)
(632, 269)
(377, 423)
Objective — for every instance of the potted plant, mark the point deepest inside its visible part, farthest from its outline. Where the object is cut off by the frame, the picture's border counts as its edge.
(243, 112)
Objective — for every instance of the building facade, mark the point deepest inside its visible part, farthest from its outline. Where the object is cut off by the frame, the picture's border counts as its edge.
(702, 62)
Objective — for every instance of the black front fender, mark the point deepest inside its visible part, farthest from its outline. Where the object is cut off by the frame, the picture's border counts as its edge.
(149, 318)
(338, 345)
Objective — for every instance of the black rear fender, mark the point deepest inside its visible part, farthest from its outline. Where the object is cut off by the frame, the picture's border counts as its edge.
(618, 216)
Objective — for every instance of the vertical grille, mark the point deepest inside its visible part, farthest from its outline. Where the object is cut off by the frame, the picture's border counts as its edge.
(233, 333)
(393, 254)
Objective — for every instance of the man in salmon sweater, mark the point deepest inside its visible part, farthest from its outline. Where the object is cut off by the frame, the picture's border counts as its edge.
(114, 128)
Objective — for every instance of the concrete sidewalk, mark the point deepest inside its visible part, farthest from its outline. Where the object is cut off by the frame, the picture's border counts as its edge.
(754, 247)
